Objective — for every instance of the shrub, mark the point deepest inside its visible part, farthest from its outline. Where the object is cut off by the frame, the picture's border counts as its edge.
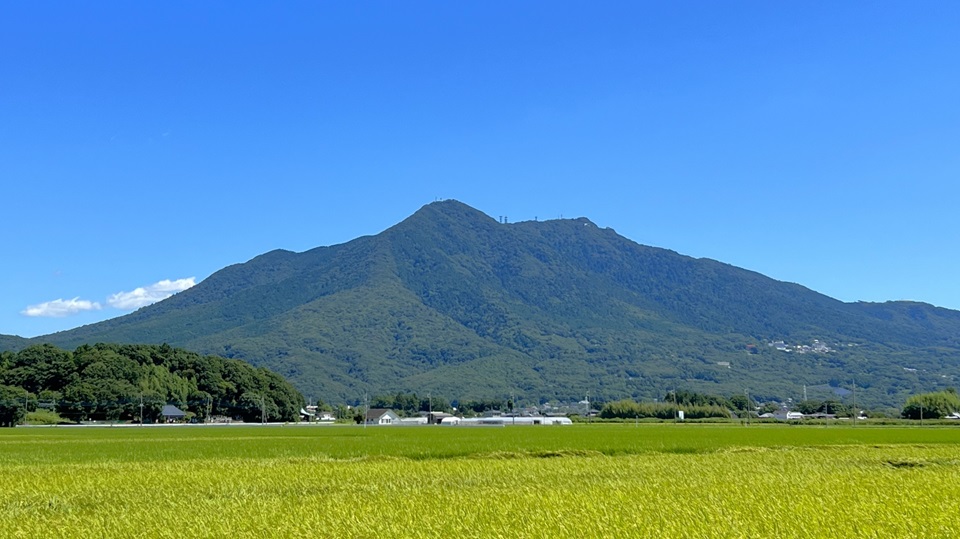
(44, 417)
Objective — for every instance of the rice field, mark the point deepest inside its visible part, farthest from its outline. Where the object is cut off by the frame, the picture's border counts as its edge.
(580, 481)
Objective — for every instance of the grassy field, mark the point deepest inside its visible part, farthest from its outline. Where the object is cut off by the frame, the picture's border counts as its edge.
(579, 481)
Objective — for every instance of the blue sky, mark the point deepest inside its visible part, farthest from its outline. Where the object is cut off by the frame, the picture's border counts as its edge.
(146, 144)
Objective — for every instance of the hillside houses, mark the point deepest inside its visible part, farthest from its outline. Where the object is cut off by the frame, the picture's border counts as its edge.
(817, 347)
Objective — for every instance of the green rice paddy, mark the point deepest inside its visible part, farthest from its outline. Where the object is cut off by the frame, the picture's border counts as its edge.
(574, 481)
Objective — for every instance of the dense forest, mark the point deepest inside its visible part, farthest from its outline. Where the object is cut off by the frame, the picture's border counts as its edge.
(116, 382)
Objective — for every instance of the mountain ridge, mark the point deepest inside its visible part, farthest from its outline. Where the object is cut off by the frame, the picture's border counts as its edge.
(452, 301)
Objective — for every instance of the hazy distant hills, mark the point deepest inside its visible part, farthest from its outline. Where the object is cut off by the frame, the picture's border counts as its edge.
(12, 342)
(451, 301)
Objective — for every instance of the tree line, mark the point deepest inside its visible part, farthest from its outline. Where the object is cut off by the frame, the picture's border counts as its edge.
(120, 382)
(409, 404)
(694, 405)
(934, 405)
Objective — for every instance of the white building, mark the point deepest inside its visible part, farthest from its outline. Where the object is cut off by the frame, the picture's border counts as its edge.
(518, 420)
(381, 416)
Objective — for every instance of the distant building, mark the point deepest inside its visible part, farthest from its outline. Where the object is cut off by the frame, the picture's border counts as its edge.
(516, 420)
(435, 418)
(171, 413)
(313, 413)
(381, 416)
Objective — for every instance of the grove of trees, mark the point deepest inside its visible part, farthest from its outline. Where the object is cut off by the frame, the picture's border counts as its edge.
(931, 405)
(117, 382)
(694, 406)
(409, 403)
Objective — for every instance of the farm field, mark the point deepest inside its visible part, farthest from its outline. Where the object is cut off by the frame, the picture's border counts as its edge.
(580, 481)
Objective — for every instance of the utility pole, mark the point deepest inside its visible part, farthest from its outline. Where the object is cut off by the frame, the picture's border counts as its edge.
(676, 407)
(263, 412)
(855, 411)
(141, 409)
(747, 395)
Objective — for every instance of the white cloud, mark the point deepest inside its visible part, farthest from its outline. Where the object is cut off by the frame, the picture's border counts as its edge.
(59, 308)
(146, 295)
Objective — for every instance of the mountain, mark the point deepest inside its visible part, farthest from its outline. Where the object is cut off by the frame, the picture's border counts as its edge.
(12, 342)
(453, 302)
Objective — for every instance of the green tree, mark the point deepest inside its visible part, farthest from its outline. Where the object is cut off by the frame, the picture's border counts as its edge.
(13, 406)
(40, 367)
(436, 404)
(769, 408)
(625, 408)
(931, 405)
(199, 402)
(6, 358)
(116, 399)
(254, 407)
(341, 411)
(740, 402)
(808, 407)
(834, 407)
(79, 401)
(152, 405)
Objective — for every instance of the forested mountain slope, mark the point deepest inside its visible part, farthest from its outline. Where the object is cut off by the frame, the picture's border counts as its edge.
(453, 302)
(12, 342)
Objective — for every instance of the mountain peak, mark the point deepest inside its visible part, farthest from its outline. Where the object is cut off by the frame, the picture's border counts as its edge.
(450, 208)
(447, 217)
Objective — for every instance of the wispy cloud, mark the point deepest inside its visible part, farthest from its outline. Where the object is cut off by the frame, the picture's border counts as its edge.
(59, 308)
(136, 298)
(147, 295)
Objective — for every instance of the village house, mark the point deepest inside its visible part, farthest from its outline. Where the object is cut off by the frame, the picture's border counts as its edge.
(171, 413)
(381, 416)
